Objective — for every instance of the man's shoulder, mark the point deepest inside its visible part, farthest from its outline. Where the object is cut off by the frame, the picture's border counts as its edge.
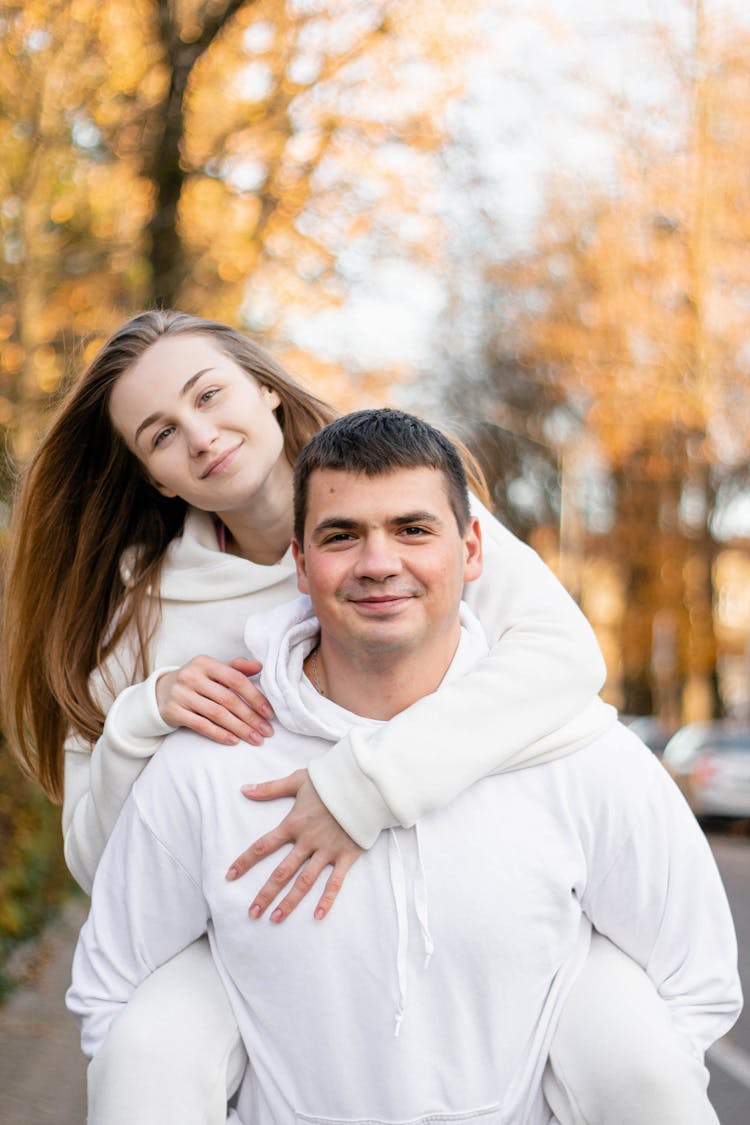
(181, 752)
(616, 762)
(185, 765)
(188, 761)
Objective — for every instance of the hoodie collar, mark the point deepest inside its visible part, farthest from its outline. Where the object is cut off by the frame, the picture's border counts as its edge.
(194, 566)
(281, 640)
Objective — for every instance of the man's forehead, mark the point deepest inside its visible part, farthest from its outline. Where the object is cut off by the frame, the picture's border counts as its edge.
(385, 496)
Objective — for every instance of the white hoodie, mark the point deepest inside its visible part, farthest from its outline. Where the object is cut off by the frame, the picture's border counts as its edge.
(537, 690)
(431, 993)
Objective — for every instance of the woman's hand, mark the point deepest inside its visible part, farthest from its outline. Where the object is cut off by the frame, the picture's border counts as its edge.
(216, 699)
(317, 839)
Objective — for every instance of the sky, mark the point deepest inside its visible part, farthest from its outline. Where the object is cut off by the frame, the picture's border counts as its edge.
(526, 112)
(535, 105)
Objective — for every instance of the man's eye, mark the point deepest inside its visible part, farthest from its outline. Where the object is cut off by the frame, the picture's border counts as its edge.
(338, 537)
(414, 531)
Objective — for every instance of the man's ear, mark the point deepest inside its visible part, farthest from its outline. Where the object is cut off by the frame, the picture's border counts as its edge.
(299, 561)
(473, 551)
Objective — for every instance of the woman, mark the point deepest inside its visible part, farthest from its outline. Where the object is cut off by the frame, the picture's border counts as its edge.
(154, 519)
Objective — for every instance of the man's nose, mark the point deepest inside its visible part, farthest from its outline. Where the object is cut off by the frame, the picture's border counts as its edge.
(378, 559)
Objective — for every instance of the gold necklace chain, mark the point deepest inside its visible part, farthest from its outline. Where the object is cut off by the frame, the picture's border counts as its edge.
(314, 669)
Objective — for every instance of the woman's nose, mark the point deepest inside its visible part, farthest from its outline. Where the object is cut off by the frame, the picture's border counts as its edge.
(200, 434)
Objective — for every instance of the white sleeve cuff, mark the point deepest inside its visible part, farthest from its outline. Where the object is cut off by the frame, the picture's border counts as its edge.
(134, 721)
(348, 793)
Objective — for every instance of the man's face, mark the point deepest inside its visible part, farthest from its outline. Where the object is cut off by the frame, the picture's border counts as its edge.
(383, 560)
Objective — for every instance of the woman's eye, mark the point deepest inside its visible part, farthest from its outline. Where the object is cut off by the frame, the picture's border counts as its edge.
(207, 395)
(163, 434)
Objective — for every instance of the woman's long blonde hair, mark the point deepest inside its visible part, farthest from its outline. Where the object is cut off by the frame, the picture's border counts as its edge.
(82, 502)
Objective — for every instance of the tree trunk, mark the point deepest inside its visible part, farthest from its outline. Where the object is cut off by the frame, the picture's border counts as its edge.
(165, 166)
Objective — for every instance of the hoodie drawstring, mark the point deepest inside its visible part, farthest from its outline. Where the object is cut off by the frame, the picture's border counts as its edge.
(420, 903)
(398, 886)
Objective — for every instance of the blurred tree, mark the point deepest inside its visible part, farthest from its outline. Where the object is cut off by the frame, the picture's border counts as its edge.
(625, 325)
(242, 159)
(238, 158)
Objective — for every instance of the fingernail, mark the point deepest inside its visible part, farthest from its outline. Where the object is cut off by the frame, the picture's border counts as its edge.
(230, 740)
(232, 873)
(267, 710)
(277, 915)
(319, 914)
(266, 729)
(255, 910)
(248, 789)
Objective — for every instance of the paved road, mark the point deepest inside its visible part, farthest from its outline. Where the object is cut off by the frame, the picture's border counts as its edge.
(729, 1060)
(42, 1071)
(42, 1075)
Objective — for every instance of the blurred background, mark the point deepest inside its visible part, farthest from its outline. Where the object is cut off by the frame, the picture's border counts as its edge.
(526, 221)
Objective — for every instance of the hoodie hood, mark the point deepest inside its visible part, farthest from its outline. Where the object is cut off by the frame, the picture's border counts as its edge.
(281, 640)
(195, 568)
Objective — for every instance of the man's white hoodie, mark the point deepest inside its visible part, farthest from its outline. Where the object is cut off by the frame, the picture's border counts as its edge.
(431, 991)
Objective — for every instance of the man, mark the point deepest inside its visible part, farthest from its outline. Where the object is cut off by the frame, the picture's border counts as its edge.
(435, 990)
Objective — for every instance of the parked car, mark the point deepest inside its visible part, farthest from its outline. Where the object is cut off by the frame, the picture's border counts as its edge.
(711, 764)
(651, 731)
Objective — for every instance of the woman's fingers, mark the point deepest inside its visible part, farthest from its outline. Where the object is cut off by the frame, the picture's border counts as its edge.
(216, 700)
(281, 787)
(304, 883)
(318, 841)
(282, 875)
(306, 880)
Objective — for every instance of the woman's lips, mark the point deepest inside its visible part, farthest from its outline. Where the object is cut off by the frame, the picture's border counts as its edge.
(221, 462)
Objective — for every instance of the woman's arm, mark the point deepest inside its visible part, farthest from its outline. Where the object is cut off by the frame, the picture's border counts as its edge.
(98, 780)
(206, 695)
(534, 698)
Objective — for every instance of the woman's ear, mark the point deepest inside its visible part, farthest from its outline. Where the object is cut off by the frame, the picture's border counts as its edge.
(160, 488)
(271, 396)
(166, 492)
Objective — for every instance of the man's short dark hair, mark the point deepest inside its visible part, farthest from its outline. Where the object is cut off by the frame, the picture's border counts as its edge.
(375, 442)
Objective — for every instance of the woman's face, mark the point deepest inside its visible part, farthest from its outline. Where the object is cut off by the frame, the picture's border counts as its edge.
(203, 429)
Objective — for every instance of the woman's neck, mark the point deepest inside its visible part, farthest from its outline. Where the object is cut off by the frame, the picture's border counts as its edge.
(262, 531)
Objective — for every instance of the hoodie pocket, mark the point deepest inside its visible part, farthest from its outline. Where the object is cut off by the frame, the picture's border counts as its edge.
(483, 1115)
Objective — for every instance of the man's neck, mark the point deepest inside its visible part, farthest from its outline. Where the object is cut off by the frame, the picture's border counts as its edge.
(379, 685)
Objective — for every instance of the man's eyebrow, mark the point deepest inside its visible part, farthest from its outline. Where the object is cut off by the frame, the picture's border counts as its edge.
(157, 414)
(339, 523)
(416, 517)
(343, 523)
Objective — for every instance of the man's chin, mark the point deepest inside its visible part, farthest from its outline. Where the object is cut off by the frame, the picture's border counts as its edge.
(385, 640)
